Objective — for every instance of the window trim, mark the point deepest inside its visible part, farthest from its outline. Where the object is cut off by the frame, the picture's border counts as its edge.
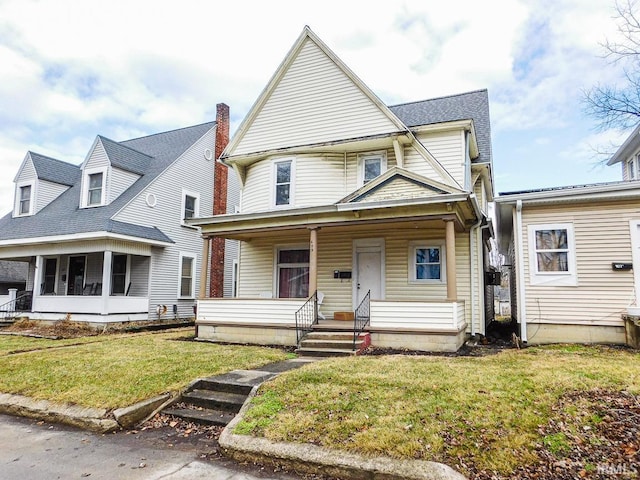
(44, 271)
(183, 202)
(194, 257)
(361, 161)
(276, 264)
(18, 199)
(292, 182)
(569, 277)
(84, 199)
(413, 246)
(127, 273)
(632, 167)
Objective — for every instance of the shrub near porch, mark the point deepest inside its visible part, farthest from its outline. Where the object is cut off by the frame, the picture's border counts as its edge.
(483, 411)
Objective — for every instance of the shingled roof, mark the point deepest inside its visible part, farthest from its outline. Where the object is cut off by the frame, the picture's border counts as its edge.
(149, 155)
(464, 106)
(53, 170)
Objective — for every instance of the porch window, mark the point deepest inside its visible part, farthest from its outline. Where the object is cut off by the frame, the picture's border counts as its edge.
(94, 196)
(49, 279)
(552, 254)
(370, 166)
(187, 278)
(293, 273)
(283, 173)
(24, 207)
(427, 262)
(119, 275)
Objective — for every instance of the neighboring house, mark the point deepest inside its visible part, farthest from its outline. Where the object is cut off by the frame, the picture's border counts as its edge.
(344, 195)
(575, 252)
(107, 240)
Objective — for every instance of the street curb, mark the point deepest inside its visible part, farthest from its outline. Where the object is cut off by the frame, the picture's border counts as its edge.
(309, 458)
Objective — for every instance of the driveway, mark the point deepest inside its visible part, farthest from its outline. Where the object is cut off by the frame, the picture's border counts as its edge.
(37, 450)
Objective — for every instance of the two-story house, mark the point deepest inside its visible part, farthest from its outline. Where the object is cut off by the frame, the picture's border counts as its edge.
(354, 209)
(108, 240)
(575, 253)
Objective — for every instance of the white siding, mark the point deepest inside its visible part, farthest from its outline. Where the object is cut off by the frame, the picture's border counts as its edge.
(279, 311)
(139, 276)
(98, 157)
(47, 192)
(28, 171)
(448, 149)
(417, 315)
(119, 181)
(313, 102)
(231, 246)
(193, 172)
(602, 236)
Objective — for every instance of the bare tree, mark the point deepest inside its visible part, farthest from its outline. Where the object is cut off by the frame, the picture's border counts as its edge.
(616, 106)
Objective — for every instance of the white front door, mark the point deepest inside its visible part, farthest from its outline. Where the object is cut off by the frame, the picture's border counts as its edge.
(369, 263)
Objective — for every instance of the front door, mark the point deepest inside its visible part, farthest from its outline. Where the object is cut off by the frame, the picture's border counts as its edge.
(75, 283)
(368, 271)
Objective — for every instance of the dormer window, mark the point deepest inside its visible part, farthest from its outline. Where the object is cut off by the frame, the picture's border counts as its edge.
(370, 166)
(94, 188)
(24, 208)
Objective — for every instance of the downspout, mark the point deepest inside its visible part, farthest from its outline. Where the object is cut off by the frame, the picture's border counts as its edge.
(345, 173)
(473, 259)
(520, 289)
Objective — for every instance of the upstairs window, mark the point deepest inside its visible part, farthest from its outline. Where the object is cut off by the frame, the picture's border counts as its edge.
(283, 188)
(190, 205)
(94, 192)
(370, 166)
(631, 169)
(24, 207)
(94, 187)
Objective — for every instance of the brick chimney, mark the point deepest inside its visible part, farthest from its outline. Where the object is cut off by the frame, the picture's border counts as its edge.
(216, 287)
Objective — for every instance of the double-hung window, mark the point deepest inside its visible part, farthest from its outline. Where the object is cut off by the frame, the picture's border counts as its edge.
(426, 262)
(283, 185)
(94, 191)
(370, 166)
(293, 272)
(186, 286)
(552, 254)
(24, 200)
(190, 205)
(119, 275)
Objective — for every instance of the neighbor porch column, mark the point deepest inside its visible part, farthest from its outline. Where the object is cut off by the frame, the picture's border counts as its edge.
(450, 257)
(38, 278)
(204, 267)
(106, 280)
(313, 260)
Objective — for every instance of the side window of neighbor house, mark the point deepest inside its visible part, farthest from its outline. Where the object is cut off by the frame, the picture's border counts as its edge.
(552, 253)
(283, 175)
(187, 276)
(426, 263)
(190, 205)
(24, 207)
(293, 272)
(370, 166)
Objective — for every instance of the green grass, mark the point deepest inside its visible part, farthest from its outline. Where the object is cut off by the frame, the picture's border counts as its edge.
(486, 410)
(116, 371)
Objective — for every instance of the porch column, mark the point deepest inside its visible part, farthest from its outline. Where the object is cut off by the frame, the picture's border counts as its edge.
(106, 280)
(38, 277)
(450, 256)
(204, 267)
(313, 260)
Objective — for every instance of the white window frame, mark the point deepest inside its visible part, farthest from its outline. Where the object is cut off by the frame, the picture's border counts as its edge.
(44, 271)
(84, 198)
(193, 256)
(18, 199)
(183, 203)
(277, 265)
(292, 182)
(413, 246)
(632, 168)
(127, 273)
(362, 157)
(561, 278)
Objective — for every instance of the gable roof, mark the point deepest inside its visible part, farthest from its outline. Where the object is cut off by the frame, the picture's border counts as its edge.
(630, 145)
(63, 215)
(124, 157)
(53, 170)
(464, 106)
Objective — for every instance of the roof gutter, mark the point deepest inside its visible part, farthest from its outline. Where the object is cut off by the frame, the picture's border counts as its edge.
(17, 242)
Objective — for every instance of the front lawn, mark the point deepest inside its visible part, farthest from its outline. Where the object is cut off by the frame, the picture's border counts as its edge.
(473, 413)
(119, 370)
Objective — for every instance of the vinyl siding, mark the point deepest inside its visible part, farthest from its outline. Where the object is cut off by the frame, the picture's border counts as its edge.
(279, 311)
(313, 102)
(481, 195)
(602, 236)
(415, 162)
(139, 276)
(335, 252)
(231, 246)
(448, 149)
(28, 171)
(119, 181)
(399, 189)
(98, 158)
(192, 172)
(47, 192)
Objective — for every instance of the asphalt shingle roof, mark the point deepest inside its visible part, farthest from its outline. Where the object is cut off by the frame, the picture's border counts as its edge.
(63, 215)
(464, 106)
(53, 170)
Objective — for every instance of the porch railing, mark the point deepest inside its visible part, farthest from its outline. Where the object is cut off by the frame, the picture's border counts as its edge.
(362, 317)
(306, 317)
(22, 303)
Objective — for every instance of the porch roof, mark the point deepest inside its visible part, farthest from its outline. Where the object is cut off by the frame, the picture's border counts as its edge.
(462, 207)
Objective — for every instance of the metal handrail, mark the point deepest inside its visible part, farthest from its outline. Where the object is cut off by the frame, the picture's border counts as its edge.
(362, 316)
(306, 317)
(19, 304)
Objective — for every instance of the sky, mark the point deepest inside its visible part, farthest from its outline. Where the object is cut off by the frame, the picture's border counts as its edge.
(73, 69)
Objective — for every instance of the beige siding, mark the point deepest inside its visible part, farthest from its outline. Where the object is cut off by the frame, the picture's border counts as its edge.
(119, 181)
(47, 192)
(335, 252)
(415, 162)
(625, 173)
(448, 149)
(399, 189)
(481, 195)
(417, 315)
(313, 102)
(602, 236)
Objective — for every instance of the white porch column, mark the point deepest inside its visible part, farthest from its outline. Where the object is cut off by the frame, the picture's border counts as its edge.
(204, 267)
(313, 260)
(38, 277)
(106, 280)
(450, 255)
(13, 293)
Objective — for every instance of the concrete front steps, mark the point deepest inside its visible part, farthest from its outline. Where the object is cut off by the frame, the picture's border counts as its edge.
(323, 343)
